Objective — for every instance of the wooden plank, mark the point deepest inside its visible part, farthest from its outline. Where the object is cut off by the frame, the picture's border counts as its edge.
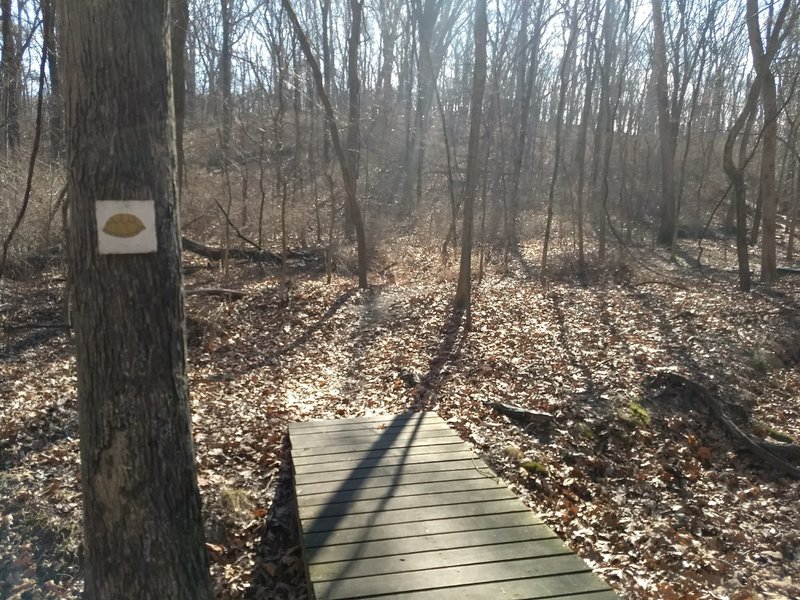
(579, 586)
(419, 528)
(411, 515)
(388, 481)
(382, 427)
(377, 447)
(319, 511)
(399, 419)
(428, 543)
(401, 468)
(452, 557)
(418, 489)
(368, 439)
(312, 464)
(604, 594)
(404, 582)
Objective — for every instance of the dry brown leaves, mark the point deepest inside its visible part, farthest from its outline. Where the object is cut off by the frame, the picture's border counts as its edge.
(641, 482)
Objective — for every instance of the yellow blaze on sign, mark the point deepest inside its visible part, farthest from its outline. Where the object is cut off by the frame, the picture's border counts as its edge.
(126, 226)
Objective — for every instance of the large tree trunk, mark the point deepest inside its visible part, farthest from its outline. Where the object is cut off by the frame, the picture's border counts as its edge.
(143, 535)
(464, 290)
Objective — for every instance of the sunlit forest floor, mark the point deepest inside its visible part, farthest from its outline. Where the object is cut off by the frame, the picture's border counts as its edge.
(639, 478)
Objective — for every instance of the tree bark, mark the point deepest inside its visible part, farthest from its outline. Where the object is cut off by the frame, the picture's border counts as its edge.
(143, 534)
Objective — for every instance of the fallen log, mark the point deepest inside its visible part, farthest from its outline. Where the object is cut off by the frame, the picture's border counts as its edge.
(762, 449)
(521, 414)
(235, 253)
(230, 294)
(252, 254)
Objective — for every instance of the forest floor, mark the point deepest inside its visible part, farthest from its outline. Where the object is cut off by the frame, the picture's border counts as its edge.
(640, 479)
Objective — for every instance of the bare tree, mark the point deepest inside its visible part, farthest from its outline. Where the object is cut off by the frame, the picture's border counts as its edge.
(767, 191)
(564, 80)
(669, 206)
(348, 176)
(464, 291)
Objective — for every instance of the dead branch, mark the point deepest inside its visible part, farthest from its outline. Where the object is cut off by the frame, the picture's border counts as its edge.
(763, 450)
(521, 414)
(240, 253)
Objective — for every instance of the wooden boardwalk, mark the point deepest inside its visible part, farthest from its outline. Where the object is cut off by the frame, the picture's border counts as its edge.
(399, 507)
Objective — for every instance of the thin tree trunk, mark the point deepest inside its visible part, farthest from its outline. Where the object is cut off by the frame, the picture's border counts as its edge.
(666, 136)
(55, 108)
(583, 131)
(564, 73)
(180, 25)
(768, 188)
(354, 106)
(603, 131)
(348, 176)
(226, 77)
(464, 291)
(451, 188)
(736, 177)
(9, 72)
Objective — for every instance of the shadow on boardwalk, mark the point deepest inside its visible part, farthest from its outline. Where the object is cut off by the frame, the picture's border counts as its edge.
(396, 438)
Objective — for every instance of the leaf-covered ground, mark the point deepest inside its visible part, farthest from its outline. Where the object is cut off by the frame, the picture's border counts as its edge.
(641, 480)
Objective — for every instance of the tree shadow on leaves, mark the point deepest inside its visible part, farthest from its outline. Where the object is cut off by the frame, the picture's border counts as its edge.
(59, 421)
(564, 340)
(451, 339)
(528, 271)
(269, 358)
(29, 341)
